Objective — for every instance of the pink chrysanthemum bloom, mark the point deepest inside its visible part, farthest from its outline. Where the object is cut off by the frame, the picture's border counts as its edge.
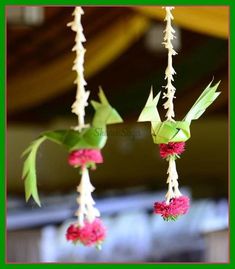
(89, 234)
(172, 148)
(85, 157)
(177, 207)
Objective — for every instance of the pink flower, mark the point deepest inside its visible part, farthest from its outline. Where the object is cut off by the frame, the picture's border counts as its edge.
(72, 233)
(89, 234)
(85, 157)
(92, 233)
(171, 148)
(176, 207)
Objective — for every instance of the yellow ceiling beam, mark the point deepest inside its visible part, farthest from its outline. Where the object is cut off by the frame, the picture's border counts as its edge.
(210, 20)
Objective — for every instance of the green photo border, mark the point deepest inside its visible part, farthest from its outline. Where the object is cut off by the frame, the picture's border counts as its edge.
(3, 4)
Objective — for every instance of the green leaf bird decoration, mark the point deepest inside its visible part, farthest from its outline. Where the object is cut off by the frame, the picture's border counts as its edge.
(167, 131)
(171, 134)
(83, 143)
(93, 137)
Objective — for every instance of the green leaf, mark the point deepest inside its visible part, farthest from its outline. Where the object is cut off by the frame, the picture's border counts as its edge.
(57, 136)
(29, 170)
(168, 131)
(89, 138)
(150, 112)
(102, 97)
(98, 246)
(173, 218)
(207, 97)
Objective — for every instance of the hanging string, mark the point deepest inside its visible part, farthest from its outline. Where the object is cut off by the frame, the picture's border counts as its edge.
(172, 180)
(78, 107)
(169, 72)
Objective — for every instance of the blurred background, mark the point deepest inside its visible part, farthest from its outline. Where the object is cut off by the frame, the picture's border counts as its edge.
(126, 56)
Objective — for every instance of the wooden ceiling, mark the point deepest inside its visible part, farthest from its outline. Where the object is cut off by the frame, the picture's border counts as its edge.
(128, 77)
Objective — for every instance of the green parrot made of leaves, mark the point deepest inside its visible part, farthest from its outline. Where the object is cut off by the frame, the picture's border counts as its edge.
(92, 137)
(164, 132)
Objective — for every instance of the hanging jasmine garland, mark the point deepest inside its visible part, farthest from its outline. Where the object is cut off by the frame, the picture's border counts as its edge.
(170, 134)
(83, 143)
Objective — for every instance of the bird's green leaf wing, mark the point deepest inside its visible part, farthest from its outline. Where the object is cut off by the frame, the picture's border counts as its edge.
(207, 97)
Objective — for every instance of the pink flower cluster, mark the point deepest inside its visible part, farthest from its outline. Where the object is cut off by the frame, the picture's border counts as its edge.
(89, 234)
(85, 157)
(176, 207)
(172, 148)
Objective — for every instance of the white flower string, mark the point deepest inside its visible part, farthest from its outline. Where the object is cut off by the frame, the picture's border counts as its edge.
(78, 107)
(85, 201)
(169, 72)
(86, 210)
(172, 180)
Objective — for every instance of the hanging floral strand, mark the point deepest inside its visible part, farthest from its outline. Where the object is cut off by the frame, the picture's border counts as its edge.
(175, 203)
(169, 72)
(171, 135)
(88, 229)
(78, 107)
